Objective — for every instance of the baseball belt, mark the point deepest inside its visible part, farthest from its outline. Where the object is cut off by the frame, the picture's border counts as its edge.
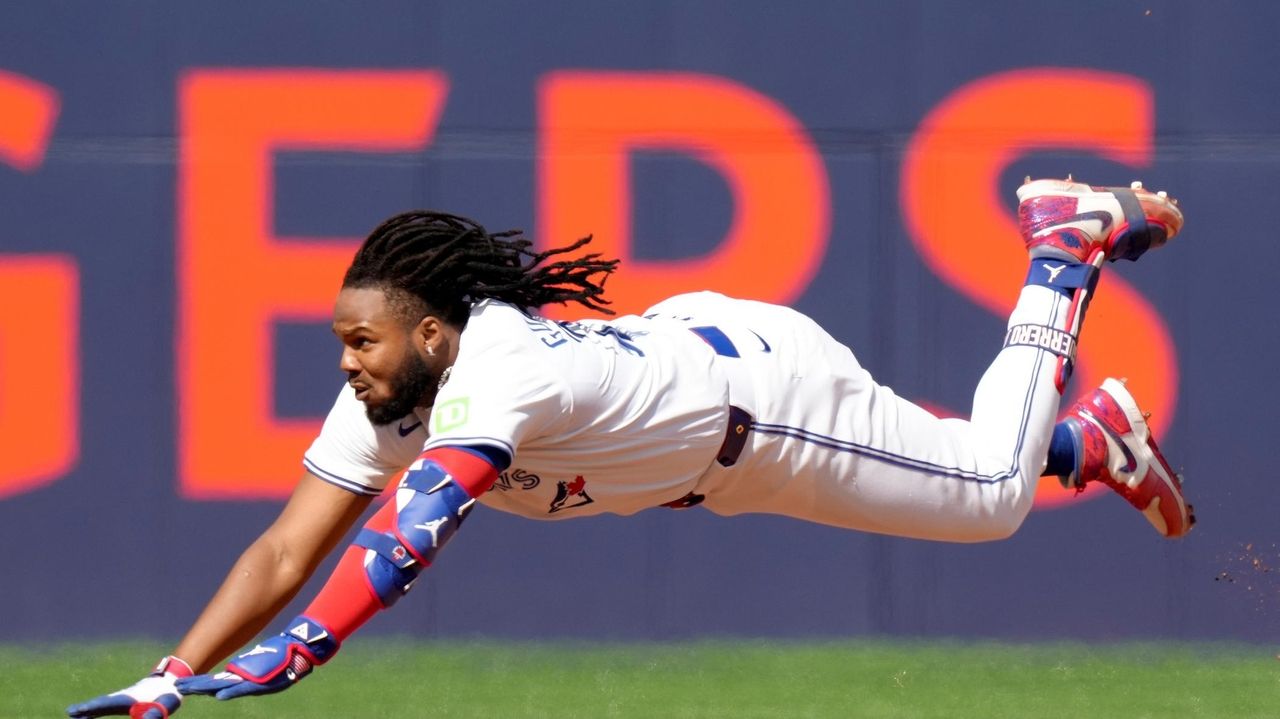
(735, 439)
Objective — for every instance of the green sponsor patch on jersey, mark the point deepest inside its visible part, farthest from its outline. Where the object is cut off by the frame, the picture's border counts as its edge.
(450, 415)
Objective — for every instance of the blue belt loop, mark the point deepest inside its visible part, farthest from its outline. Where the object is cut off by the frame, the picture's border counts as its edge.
(735, 438)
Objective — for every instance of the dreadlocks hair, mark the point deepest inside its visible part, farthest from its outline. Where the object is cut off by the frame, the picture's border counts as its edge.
(448, 262)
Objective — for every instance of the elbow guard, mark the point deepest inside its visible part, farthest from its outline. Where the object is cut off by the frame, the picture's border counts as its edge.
(430, 506)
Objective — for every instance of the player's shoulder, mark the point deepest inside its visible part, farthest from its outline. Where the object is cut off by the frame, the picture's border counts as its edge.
(496, 328)
(504, 342)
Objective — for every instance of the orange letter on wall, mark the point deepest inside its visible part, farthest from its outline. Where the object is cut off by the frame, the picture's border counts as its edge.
(590, 122)
(39, 363)
(952, 205)
(235, 279)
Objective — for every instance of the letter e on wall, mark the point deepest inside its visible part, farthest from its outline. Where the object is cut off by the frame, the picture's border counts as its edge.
(235, 278)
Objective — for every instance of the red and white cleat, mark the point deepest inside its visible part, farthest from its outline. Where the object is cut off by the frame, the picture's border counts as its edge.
(1114, 446)
(1066, 220)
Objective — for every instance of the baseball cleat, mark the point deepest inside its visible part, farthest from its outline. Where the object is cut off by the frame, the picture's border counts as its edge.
(1066, 220)
(1114, 446)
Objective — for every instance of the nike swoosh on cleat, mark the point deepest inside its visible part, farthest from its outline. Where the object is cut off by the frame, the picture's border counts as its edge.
(1130, 461)
(1100, 215)
(406, 431)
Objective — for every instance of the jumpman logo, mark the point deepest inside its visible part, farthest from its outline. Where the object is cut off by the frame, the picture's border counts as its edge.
(1053, 271)
(434, 527)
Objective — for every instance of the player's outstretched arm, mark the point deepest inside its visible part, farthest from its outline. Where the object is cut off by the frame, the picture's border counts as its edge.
(395, 545)
(268, 574)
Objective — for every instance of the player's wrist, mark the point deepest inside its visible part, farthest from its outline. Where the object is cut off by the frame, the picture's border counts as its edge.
(304, 644)
(312, 638)
(275, 664)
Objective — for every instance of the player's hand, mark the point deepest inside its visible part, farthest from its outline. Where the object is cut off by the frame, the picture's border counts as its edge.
(273, 666)
(155, 697)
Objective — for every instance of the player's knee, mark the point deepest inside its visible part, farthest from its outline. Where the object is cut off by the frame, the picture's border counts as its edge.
(994, 511)
(1003, 528)
(1008, 511)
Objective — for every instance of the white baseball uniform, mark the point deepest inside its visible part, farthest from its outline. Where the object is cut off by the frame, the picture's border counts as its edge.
(633, 413)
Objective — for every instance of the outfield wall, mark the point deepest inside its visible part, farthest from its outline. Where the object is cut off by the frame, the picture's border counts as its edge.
(183, 184)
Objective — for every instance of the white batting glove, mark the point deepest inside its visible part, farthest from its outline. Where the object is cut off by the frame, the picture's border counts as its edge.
(156, 696)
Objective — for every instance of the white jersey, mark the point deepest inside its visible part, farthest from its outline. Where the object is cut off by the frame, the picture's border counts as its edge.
(623, 415)
(595, 416)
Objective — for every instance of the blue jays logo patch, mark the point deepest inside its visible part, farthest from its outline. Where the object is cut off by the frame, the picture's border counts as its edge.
(570, 495)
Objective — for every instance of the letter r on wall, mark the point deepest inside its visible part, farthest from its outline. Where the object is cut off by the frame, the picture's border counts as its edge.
(590, 123)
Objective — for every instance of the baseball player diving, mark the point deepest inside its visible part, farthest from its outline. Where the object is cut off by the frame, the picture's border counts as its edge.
(735, 405)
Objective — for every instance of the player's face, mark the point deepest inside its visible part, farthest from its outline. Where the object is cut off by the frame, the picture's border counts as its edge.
(381, 358)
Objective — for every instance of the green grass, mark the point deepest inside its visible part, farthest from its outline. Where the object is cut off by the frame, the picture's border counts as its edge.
(865, 679)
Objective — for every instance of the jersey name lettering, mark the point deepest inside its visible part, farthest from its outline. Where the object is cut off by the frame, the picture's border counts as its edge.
(556, 333)
(520, 478)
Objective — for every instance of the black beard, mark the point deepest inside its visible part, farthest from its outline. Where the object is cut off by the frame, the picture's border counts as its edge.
(408, 388)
